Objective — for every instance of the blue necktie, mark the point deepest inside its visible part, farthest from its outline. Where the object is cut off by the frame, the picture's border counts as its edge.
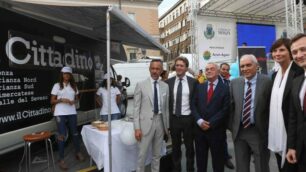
(155, 98)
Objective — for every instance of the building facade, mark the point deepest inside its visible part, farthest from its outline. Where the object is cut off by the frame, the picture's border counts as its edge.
(174, 29)
(144, 13)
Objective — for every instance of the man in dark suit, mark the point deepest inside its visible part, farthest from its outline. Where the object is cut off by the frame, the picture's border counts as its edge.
(181, 120)
(210, 107)
(249, 118)
(224, 77)
(297, 115)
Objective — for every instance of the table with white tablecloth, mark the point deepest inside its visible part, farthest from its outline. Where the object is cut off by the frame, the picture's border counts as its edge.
(124, 157)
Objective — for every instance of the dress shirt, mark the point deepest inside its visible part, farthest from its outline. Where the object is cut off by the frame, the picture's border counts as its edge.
(158, 95)
(200, 121)
(215, 84)
(253, 87)
(302, 92)
(185, 95)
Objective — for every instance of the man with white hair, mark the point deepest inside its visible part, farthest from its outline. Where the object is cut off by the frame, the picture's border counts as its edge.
(250, 97)
(210, 108)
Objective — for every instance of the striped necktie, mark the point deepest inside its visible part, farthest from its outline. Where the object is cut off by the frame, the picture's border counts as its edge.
(246, 113)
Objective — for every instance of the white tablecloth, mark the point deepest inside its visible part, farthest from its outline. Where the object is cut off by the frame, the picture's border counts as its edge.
(124, 157)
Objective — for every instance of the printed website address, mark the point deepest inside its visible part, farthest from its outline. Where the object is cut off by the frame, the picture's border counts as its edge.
(24, 115)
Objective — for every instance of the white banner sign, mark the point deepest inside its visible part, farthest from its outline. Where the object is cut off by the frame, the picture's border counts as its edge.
(216, 40)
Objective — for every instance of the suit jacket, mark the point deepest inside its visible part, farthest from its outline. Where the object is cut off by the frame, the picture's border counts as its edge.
(297, 119)
(221, 79)
(294, 71)
(261, 104)
(191, 83)
(216, 110)
(143, 105)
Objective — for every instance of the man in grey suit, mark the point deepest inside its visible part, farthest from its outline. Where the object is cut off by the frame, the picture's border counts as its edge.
(151, 116)
(249, 118)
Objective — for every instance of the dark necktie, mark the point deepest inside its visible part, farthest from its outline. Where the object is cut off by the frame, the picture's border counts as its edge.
(246, 113)
(210, 92)
(226, 82)
(178, 104)
(304, 105)
(155, 98)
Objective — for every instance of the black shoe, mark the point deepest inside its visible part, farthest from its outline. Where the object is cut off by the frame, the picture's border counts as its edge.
(229, 164)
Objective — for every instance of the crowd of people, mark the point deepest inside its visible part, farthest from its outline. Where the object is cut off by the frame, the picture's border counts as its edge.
(264, 114)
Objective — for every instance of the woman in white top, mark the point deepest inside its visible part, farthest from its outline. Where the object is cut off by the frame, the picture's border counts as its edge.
(64, 95)
(280, 102)
(102, 100)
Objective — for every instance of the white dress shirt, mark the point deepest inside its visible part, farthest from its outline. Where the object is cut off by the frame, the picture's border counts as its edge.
(185, 95)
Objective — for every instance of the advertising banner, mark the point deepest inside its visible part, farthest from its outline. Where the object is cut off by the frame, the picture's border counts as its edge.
(30, 66)
(216, 40)
(259, 53)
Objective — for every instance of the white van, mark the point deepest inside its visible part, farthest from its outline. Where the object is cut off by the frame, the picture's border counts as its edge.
(136, 72)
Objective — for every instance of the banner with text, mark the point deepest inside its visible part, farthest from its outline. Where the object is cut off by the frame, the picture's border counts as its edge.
(216, 40)
(30, 65)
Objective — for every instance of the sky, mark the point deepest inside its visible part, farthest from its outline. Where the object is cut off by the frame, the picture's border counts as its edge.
(165, 5)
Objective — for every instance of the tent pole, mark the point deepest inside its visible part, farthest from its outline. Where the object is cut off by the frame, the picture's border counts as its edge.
(108, 89)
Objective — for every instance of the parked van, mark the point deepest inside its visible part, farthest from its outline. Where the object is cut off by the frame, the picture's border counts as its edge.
(32, 54)
(136, 72)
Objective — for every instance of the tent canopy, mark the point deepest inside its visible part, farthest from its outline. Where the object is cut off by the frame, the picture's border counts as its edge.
(89, 21)
(259, 10)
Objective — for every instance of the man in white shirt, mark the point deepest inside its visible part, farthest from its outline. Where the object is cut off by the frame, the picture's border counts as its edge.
(181, 120)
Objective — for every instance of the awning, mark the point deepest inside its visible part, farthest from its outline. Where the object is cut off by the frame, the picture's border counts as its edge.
(89, 21)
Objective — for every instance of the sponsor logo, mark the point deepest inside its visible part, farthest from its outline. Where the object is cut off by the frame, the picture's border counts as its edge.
(209, 33)
(36, 53)
(206, 55)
